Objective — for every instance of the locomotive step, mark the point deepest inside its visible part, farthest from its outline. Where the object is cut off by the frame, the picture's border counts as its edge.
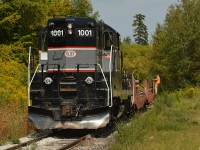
(36, 90)
(67, 83)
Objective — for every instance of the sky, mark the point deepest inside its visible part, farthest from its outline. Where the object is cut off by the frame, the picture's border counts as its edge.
(119, 13)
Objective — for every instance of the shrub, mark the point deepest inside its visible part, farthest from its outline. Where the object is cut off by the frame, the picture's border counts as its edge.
(13, 101)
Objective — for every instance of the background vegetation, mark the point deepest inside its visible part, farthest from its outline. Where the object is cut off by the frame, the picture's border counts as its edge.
(176, 46)
(13, 100)
(171, 123)
(174, 50)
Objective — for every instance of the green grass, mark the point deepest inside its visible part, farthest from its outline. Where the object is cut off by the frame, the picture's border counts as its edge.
(172, 123)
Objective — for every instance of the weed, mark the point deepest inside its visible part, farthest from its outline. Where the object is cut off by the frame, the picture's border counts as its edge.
(12, 122)
(13, 102)
(195, 122)
(15, 140)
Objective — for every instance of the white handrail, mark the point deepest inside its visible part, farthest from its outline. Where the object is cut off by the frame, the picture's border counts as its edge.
(34, 74)
(105, 82)
(110, 72)
(29, 61)
(133, 88)
(29, 85)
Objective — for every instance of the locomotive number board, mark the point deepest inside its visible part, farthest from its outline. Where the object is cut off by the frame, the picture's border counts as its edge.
(57, 33)
(84, 32)
(78, 32)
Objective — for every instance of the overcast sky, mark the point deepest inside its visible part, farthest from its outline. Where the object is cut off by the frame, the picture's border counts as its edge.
(119, 13)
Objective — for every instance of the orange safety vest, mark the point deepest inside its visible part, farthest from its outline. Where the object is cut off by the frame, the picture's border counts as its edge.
(157, 79)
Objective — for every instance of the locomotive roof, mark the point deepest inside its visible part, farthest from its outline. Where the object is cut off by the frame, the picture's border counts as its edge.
(74, 18)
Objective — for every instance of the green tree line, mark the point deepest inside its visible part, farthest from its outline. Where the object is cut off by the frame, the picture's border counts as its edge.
(176, 45)
(174, 50)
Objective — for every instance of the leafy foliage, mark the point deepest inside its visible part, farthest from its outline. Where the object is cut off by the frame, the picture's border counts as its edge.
(19, 18)
(176, 45)
(60, 8)
(137, 60)
(13, 100)
(127, 40)
(83, 8)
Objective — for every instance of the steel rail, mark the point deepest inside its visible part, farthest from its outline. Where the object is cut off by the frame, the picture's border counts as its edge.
(28, 142)
(75, 143)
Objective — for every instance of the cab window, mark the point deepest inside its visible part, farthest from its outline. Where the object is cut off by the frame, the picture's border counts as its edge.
(108, 40)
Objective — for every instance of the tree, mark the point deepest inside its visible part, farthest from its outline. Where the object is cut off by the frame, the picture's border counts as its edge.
(140, 30)
(84, 8)
(136, 60)
(176, 45)
(127, 40)
(60, 8)
(21, 18)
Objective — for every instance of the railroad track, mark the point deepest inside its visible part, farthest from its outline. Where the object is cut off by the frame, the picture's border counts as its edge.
(64, 139)
(75, 142)
(53, 143)
(29, 142)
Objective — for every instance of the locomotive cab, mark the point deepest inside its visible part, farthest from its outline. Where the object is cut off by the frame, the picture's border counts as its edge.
(77, 82)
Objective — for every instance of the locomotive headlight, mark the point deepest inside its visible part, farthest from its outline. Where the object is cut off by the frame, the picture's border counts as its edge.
(48, 81)
(89, 80)
(69, 26)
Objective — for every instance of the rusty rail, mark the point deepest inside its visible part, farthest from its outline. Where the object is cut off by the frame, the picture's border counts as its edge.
(28, 142)
(75, 143)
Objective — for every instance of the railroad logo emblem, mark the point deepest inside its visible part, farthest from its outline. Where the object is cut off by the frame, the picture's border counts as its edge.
(70, 54)
(108, 56)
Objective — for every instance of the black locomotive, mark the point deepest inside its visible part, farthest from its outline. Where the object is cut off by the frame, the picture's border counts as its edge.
(77, 82)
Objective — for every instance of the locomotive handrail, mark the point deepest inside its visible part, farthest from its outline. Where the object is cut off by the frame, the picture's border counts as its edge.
(29, 61)
(110, 72)
(105, 82)
(29, 85)
(108, 89)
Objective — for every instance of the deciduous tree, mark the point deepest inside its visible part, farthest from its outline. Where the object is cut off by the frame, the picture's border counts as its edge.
(84, 8)
(176, 45)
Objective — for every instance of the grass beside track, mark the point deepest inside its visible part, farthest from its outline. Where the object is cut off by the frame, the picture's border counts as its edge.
(173, 122)
(13, 122)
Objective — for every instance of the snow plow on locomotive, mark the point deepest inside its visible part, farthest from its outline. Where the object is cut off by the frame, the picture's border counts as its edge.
(77, 83)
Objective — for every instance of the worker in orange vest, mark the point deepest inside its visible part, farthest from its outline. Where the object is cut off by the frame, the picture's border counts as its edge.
(157, 81)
